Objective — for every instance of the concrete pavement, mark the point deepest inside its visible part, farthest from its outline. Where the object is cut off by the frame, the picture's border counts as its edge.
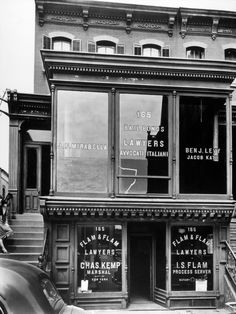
(164, 311)
(140, 307)
(153, 308)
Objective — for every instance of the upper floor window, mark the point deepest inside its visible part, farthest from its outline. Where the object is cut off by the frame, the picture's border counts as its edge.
(105, 46)
(195, 52)
(143, 144)
(202, 145)
(127, 147)
(230, 54)
(82, 147)
(151, 50)
(61, 43)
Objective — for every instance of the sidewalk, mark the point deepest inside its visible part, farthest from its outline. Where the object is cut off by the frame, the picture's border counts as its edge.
(153, 308)
(162, 311)
(140, 307)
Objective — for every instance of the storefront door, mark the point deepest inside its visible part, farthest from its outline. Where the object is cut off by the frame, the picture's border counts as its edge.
(140, 267)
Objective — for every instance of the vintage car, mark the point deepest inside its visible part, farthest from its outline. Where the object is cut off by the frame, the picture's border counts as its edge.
(26, 289)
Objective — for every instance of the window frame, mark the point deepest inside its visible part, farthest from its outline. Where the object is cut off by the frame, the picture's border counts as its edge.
(170, 140)
(75, 44)
(153, 48)
(228, 51)
(64, 43)
(123, 243)
(92, 47)
(173, 122)
(215, 243)
(138, 50)
(195, 50)
(109, 177)
(228, 146)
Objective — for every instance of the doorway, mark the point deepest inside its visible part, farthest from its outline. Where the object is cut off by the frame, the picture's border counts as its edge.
(36, 175)
(140, 267)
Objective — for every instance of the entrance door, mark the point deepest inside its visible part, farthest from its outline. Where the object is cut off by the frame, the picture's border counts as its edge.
(140, 267)
(36, 175)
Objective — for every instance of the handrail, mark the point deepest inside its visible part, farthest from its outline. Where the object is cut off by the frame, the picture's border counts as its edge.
(229, 248)
(43, 257)
(230, 262)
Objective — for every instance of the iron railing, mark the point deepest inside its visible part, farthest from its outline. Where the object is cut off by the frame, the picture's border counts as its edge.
(43, 259)
(230, 265)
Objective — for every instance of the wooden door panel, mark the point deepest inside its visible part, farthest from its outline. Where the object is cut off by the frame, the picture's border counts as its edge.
(32, 175)
(62, 257)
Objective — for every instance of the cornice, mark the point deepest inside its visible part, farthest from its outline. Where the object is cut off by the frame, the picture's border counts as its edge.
(133, 209)
(207, 22)
(29, 105)
(107, 14)
(137, 17)
(133, 66)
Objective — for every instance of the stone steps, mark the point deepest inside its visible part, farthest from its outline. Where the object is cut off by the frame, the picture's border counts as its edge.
(26, 243)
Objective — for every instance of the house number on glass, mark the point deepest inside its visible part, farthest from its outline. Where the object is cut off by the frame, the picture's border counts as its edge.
(100, 228)
(144, 114)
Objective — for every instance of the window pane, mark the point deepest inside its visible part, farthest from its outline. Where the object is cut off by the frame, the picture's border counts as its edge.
(192, 258)
(82, 141)
(99, 258)
(151, 51)
(195, 53)
(230, 54)
(61, 44)
(143, 143)
(137, 50)
(106, 47)
(202, 145)
(31, 179)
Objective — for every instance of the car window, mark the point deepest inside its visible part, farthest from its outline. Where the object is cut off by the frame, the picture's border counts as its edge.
(52, 295)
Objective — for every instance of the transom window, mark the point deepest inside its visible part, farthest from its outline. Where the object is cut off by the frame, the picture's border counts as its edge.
(195, 52)
(230, 54)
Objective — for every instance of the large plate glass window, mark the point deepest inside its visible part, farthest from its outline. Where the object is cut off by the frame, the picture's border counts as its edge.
(202, 145)
(192, 258)
(82, 141)
(99, 258)
(143, 152)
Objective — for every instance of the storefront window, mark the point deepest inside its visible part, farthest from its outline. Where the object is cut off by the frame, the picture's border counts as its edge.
(202, 145)
(99, 258)
(82, 141)
(192, 258)
(143, 164)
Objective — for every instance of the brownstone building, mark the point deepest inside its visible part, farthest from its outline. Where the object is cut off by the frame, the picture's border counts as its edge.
(126, 148)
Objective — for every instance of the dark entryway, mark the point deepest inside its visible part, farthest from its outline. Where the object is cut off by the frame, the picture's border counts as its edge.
(36, 175)
(140, 266)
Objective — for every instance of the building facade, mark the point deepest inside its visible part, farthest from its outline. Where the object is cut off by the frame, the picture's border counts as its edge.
(126, 148)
